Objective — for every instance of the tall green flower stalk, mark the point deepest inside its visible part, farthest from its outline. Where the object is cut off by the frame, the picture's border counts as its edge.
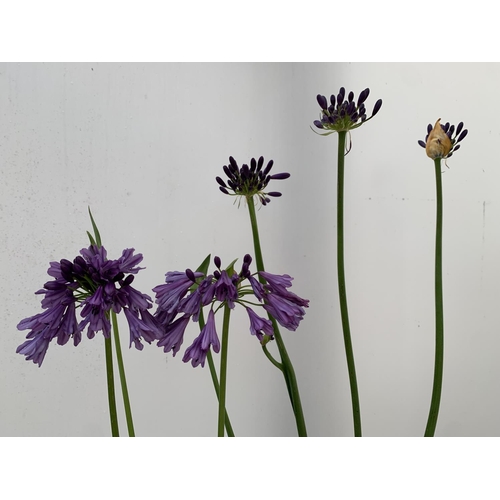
(286, 363)
(249, 182)
(440, 142)
(96, 240)
(343, 115)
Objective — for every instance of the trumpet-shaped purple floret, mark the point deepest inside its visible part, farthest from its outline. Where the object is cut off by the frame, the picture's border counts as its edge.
(173, 335)
(259, 326)
(286, 313)
(197, 351)
(225, 290)
(169, 295)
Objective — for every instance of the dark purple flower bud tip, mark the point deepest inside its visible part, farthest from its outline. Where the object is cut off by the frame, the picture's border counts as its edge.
(377, 107)
(190, 275)
(323, 104)
(217, 262)
(422, 143)
(217, 275)
(247, 259)
(275, 194)
(282, 176)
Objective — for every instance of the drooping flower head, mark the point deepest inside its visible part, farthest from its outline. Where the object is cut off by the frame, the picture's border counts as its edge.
(442, 141)
(343, 114)
(184, 295)
(96, 285)
(250, 181)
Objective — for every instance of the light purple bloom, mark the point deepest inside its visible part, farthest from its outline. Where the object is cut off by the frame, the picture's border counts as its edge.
(285, 312)
(259, 326)
(225, 290)
(175, 288)
(174, 335)
(197, 351)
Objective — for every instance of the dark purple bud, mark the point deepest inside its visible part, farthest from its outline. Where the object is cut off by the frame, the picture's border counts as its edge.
(269, 167)
(377, 107)
(462, 135)
(128, 280)
(350, 97)
(456, 147)
(224, 190)
(429, 129)
(220, 181)
(275, 194)
(228, 172)
(351, 108)
(363, 96)
(340, 99)
(233, 163)
(232, 185)
(245, 172)
(422, 143)
(445, 127)
(333, 100)
(67, 269)
(217, 262)
(260, 163)
(253, 165)
(318, 124)
(120, 276)
(217, 275)
(323, 103)
(190, 275)
(460, 126)
(450, 132)
(283, 175)
(247, 259)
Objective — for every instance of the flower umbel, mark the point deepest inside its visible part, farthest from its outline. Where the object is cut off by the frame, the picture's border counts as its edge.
(342, 114)
(185, 294)
(250, 181)
(442, 141)
(97, 285)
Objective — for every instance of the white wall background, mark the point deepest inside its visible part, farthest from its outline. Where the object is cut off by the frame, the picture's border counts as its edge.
(142, 143)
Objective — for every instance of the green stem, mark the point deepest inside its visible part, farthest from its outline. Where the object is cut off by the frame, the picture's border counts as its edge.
(123, 380)
(288, 371)
(439, 355)
(342, 289)
(223, 371)
(270, 358)
(111, 388)
(213, 373)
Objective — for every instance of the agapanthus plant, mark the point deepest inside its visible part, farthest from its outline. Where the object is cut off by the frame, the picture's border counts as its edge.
(343, 115)
(440, 143)
(250, 183)
(184, 295)
(97, 288)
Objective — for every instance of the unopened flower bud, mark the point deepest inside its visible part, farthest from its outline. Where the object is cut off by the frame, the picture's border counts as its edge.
(438, 143)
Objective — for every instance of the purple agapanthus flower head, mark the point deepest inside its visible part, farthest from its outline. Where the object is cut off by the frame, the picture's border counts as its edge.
(95, 285)
(184, 295)
(343, 112)
(249, 181)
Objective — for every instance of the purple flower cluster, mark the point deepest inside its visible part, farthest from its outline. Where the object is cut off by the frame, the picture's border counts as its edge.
(97, 285)
(184, 294)
(344, 114)
(250, 180)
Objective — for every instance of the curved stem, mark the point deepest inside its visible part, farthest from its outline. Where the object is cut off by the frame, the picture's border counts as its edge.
(111, 388)
(288, 371)
(123, 380)
(223, 371)
(270, 358)
(213, 373)
(342, 289)
(439, 355)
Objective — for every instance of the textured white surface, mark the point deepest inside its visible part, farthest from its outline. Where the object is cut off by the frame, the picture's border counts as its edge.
(142, 143)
